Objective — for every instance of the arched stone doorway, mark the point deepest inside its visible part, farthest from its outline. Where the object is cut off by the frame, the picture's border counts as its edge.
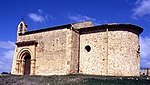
(25, 58)
(27, 64)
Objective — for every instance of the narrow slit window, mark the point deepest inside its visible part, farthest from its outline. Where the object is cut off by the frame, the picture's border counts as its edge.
(21, 27)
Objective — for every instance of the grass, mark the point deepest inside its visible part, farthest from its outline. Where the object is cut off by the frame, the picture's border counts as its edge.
(72, 80)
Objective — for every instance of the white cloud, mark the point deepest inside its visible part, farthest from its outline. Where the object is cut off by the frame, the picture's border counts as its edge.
(6, 56)
(7, 44)
(40, 16)
(6, 60)
(36, 17)
(80, 18)
(142, 8)
(40, 11)
(1, 63)
(145, 51)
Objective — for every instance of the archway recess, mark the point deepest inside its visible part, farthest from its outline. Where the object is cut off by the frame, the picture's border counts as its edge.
(25, 58)
(27, 64)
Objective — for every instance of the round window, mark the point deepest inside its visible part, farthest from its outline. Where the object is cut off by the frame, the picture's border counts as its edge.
(88, 48)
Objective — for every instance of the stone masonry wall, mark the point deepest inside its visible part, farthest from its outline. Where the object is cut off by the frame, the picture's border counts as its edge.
(113, 53)
(148, 71)
(96, 51)
(74, 53)
(56, 53)
(95, 61)
(51, 52)
(123, 54)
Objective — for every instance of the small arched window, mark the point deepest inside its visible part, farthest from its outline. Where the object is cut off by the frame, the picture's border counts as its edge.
(21, 27)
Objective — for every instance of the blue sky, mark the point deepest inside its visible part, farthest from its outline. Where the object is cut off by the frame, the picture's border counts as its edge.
(46, 13)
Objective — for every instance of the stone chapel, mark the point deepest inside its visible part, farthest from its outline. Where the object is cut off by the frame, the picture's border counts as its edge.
(78, 48)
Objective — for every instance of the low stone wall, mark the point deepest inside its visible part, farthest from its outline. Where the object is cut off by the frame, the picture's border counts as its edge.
(72, 80)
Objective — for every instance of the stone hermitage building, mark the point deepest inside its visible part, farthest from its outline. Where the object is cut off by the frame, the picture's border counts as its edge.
(78, 48)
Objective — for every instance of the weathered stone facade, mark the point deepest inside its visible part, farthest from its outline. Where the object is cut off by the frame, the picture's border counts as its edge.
(110, 50)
